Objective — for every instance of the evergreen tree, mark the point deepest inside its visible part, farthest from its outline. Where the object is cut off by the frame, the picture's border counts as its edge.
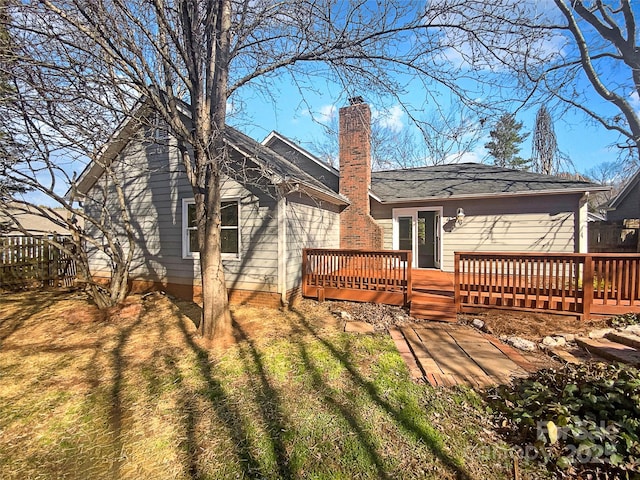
(505, 143)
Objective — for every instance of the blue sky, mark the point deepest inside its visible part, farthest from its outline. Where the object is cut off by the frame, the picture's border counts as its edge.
(298, 118)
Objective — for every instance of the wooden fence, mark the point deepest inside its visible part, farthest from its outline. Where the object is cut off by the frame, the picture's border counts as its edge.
(577, 284)
(31, 261)
(382, 276)
(614, 237)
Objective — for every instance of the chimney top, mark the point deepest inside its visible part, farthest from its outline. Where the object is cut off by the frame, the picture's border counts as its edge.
(356, 100)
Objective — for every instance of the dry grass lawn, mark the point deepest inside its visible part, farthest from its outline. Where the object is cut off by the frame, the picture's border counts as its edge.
(134, 394)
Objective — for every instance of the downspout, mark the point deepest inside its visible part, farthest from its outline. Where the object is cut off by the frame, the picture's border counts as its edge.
(282, 245)
(582, 237)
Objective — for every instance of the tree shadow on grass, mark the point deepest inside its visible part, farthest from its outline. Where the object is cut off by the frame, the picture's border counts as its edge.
(28, 308)
(269, 400)
(225, 411)
(331, 398)
(428, 436)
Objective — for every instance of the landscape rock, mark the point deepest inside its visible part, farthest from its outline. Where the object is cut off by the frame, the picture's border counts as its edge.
(555, 341)
(477, 323)
(382, 317)
(633, 329)
(358, 327)
(521, 344)
(599, 333)
(568, 337)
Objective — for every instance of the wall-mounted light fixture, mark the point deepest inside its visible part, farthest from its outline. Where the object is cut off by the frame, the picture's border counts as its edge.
(459, 216)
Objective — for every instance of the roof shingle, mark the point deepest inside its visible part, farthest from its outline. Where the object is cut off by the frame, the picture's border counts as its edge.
(467, 180)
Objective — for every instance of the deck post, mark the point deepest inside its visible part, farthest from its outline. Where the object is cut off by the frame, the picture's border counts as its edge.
(587, 287)
(456, 282)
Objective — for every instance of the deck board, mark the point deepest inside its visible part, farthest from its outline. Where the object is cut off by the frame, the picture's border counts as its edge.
(446, 355)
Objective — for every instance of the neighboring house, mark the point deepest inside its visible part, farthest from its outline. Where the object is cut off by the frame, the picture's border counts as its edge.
(626, 204)
(279, 199)
(18, 218)
(619, 232)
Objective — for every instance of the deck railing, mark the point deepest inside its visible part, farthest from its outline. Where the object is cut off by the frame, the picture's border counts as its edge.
(577, 284)
(381, 276)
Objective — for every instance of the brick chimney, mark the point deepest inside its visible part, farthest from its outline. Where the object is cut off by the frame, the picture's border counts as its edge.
(358, 230)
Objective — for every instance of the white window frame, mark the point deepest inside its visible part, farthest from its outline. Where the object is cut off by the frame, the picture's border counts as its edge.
(188, 254)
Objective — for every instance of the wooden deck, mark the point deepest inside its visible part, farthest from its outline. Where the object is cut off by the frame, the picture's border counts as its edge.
(447, 355)
(432, 296)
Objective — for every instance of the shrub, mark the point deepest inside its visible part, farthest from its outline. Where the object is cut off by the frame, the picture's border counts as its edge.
(624, 320)
(576, 418)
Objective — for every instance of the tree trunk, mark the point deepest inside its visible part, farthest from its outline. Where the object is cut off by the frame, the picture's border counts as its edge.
(210, 115)
(216, 316)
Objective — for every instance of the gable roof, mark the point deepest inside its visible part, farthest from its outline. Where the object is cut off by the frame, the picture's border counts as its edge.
(276, 136)
(279, 170)
(626, 190)
(469, 180)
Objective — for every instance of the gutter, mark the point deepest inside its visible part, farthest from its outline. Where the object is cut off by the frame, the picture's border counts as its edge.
(499, 195)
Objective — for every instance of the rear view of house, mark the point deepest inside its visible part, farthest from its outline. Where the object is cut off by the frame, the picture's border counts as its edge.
(279, 199)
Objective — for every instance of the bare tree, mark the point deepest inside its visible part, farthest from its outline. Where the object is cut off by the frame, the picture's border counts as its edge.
(444, 135)
(8, 145)
(187, 58)
(390, 148)
(610, 174)
(569, 52)
(57, 127)
(544, 148)
(605, 52)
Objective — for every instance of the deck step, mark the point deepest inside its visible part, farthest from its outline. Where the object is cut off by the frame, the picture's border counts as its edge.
(435, 317)
(610, 350)
(429, 298)
(434, 311)
(628, 339)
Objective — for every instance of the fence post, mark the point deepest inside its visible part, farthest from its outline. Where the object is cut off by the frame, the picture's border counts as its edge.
(587, 287)
(456, 282)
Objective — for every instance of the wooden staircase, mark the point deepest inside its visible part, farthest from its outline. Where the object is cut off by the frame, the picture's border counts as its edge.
(432, 296)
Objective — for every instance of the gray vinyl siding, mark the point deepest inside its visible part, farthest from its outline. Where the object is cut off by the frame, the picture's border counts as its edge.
(155, 185)
(309, 225)
(318, 172)
(514, 224)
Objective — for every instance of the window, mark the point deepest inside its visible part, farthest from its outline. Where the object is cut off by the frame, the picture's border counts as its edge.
(229, 234)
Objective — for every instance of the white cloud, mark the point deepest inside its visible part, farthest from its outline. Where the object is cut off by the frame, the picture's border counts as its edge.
(635, 101)
(326, 113)
(393, 119)
(465, 157)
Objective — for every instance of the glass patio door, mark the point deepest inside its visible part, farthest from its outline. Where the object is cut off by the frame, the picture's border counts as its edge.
(419, 230)
(405, 233)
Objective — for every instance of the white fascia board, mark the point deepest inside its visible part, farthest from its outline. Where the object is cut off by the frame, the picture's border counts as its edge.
(499, 194)
(300, 150)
